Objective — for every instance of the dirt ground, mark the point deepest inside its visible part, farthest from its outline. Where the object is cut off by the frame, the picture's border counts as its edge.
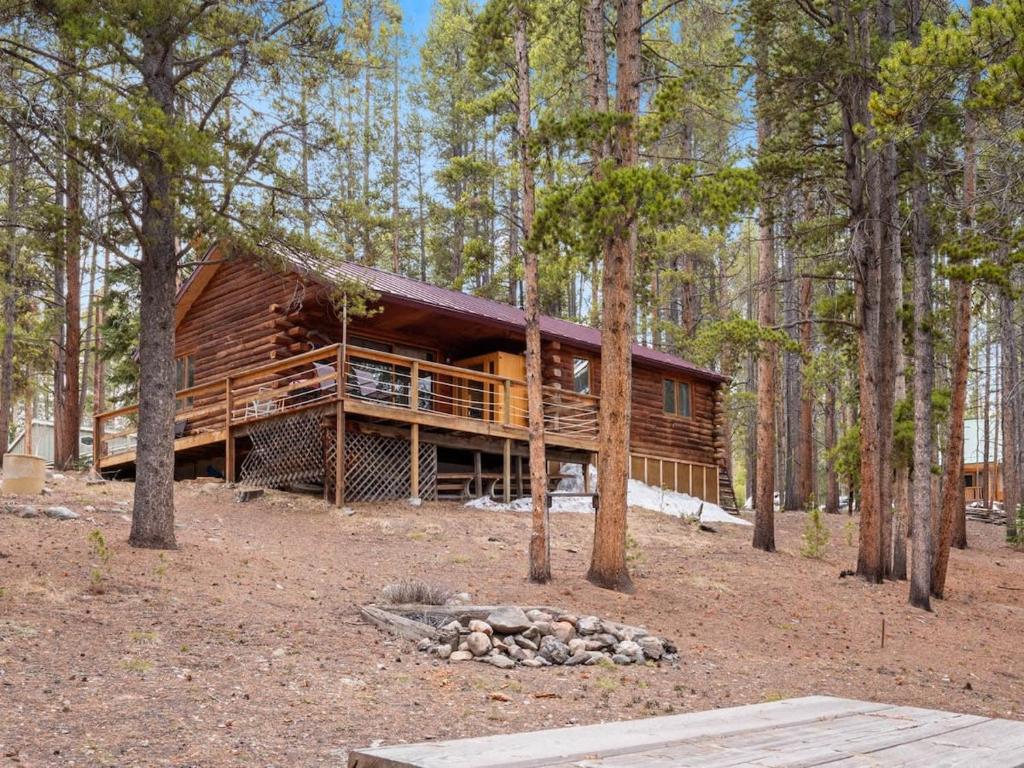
(245, 647)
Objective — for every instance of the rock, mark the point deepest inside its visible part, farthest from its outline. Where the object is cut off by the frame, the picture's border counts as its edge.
(577, 645)
(536, 615)
(443, 651)
(618, 658)
(61, 513)
(481, 626)
(517, 653)
(652, 647)
(554, 650)
(463, 646)
(588, 625)
(508, 620)
(462, 598)
(460, 656)
(606, 640)
(479, 643)
(415, 501)
(563, 630)
(533, 663)
(500, 661)
(596, 657)
(524, 642)
(595, 645)
(631, 633)
(498, 645)
(424, 644)
(537, 631)
(509, 641)
(26, 511)
(630, 649)
(452, 626)
(577, 658)
(568, 618)
(248, 494)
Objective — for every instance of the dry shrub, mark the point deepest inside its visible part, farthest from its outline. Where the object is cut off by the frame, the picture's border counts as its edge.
(414, 591)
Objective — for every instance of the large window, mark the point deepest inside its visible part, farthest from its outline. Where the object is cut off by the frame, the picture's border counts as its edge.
(581, 375)
(677, 401)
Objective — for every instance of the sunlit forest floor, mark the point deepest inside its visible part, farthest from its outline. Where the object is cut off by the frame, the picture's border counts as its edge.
(245, 646)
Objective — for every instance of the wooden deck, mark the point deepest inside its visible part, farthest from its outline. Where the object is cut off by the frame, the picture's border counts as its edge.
(374, 385)
(811, 731)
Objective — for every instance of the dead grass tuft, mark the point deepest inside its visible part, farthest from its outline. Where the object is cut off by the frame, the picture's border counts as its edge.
(415, 591)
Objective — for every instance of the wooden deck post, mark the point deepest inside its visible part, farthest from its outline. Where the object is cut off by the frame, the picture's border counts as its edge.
(507, 403)
(586, 477)
(506, 472)
(414, 460)
(478, 479)
(414, 390)
(229, 440)
(339, 454)
(519, 476)
(97, 443)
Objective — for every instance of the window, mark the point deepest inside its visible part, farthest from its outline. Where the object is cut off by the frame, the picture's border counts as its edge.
(184, 378)
(969, 480)
(677, 398)
(581, 375)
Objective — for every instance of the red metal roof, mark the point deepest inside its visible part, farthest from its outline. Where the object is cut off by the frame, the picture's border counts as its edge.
(479, 308)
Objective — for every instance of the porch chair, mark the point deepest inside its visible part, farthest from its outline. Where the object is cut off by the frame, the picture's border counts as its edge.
(326, 388)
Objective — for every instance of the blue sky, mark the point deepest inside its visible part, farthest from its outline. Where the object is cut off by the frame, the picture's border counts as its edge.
(417, 16)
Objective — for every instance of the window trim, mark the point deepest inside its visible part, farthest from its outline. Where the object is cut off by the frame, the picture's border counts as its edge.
(590, 374)
(677, 385)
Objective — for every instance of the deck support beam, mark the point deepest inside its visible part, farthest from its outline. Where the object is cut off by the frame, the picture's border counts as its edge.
(414, 463)
(339, 454)
(506, 472)
(478, 475)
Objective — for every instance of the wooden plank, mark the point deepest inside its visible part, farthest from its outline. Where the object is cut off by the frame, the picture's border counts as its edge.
(563, 745)
(414, 461)
(181, 444)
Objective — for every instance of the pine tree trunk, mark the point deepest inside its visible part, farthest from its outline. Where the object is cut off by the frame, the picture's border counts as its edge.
(1009, 412)
(396, 218)
(67, 419)
(831, 476)
(608, 564)
(805, 452)
(11, 291)
(540, 544)
(924, 362)
(153, 513)
(953, 476)
(792, 498)
(764, 487)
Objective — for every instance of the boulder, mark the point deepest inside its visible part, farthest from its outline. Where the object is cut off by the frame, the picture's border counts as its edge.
(443, 651)
(479, 644)
(554, 650)
(481, 626)
(61, 513)
(536, 615)
(563, 630)
(606, 640)
(577, 645)
(524, 642)
(508, 620)
(630, 649)
(460, 656)
(517, 653)
(618, 658)
(577, 658)
(26, 511)
(652, 647)
(533, 663)
(501, 661)
(588, 625)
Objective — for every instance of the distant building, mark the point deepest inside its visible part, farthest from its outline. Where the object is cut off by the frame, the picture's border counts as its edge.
(42, 441)
(974, 460)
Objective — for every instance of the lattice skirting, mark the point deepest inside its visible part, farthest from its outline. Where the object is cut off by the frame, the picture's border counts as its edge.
(378, 468)
(287, 450)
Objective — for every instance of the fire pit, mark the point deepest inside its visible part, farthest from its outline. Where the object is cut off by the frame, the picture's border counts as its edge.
(507, 636)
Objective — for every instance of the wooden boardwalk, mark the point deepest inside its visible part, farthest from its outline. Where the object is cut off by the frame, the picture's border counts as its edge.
(811, 731)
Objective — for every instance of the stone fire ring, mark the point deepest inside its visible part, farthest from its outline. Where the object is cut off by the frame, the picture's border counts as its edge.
(507, 636)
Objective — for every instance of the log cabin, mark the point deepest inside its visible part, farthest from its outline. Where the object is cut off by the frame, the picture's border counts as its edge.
(296, 372)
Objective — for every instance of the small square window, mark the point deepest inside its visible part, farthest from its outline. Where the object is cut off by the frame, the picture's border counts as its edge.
(676, 398)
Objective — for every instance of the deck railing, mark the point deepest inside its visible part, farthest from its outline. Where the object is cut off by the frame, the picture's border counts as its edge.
(375, 383)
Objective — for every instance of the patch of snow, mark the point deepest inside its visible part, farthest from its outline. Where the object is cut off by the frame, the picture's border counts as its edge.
(638, 495)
